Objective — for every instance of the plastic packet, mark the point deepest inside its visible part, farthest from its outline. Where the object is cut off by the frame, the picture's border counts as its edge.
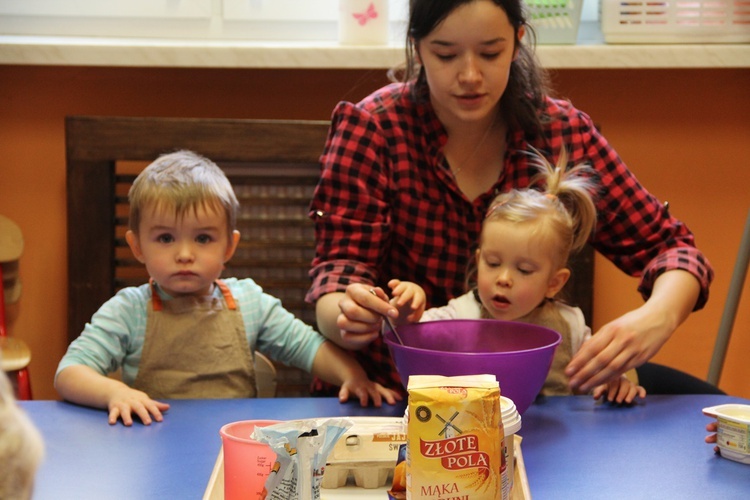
(301, 447)
(398, 487)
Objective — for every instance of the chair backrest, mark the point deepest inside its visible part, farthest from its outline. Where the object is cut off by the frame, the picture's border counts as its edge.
(11, 248)
(273, 165)
(15, 355)
(265, 376)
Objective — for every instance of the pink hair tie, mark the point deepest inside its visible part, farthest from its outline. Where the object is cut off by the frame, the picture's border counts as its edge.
(550, 196)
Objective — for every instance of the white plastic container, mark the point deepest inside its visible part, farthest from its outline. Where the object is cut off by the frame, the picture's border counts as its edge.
(511, 426)
(733, 436)
(668, 21)
(363, 22)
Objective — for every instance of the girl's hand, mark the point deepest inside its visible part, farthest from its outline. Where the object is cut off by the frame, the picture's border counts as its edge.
(364, 389)
(409, 298)
(619, 390)
(126, 401)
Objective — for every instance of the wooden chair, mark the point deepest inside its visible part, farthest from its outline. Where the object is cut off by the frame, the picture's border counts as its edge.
(273, 165)
(15, 355)
(265, 376)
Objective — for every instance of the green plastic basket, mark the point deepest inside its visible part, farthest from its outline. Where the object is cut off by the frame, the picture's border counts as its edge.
(555, 21)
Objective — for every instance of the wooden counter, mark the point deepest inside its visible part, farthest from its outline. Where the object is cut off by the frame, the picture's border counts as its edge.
(590, 52)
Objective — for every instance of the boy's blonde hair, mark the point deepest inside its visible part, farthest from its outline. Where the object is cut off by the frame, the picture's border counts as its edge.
(21, 446)
(565, 208)
(182, 181)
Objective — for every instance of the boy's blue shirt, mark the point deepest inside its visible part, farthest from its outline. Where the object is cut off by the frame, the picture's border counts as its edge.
(114, 337)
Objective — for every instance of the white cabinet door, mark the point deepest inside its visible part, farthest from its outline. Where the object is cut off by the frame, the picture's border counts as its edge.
(280, 19)
(276, 10)
(117, 18)
(107, 8)
(294, 19)
(273, 20)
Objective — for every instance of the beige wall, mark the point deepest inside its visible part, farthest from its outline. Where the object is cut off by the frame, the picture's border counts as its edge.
(684, 133)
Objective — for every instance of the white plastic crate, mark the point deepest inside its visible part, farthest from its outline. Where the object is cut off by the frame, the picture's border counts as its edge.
(675, 21)
(555, 21)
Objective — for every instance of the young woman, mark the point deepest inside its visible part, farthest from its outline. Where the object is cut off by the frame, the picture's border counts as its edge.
(409, 172)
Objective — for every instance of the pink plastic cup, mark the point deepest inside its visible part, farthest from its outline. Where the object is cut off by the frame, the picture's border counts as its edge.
(247, 462)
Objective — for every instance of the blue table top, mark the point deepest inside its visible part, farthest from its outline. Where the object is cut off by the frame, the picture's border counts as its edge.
(573, 447)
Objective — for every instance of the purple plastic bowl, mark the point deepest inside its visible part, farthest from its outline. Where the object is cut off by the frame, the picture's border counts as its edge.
(518, 354)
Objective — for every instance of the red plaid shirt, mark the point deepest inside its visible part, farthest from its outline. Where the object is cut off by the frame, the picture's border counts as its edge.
(387, 206)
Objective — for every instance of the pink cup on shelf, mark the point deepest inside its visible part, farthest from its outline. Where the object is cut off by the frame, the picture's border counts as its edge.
(247, 462)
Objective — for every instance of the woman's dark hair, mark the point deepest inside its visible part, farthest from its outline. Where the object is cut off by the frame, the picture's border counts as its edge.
(522, 100)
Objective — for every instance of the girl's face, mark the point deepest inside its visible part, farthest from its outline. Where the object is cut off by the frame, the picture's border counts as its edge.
(466, 60)
(184, 254)
(516, 270)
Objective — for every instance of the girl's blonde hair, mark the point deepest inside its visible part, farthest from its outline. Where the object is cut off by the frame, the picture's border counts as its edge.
(564, 207)
(182, 181)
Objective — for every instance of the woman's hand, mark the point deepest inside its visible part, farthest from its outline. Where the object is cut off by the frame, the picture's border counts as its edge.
(633, 338)
(359, 315)
(623, 344)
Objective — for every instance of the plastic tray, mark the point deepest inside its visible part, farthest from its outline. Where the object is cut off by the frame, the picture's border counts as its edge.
(215, 487)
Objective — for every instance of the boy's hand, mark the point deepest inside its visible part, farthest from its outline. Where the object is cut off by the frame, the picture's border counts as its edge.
(410, 300)
(126, 401)
(335, 366)
(713, 427)
(619, 390)
(365, 389)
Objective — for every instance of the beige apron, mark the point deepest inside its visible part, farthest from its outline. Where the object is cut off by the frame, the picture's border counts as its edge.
(547, 315)
(195, 347)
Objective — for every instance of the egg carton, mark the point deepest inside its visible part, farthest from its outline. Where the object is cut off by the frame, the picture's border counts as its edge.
(369, 475)
(366, 453)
